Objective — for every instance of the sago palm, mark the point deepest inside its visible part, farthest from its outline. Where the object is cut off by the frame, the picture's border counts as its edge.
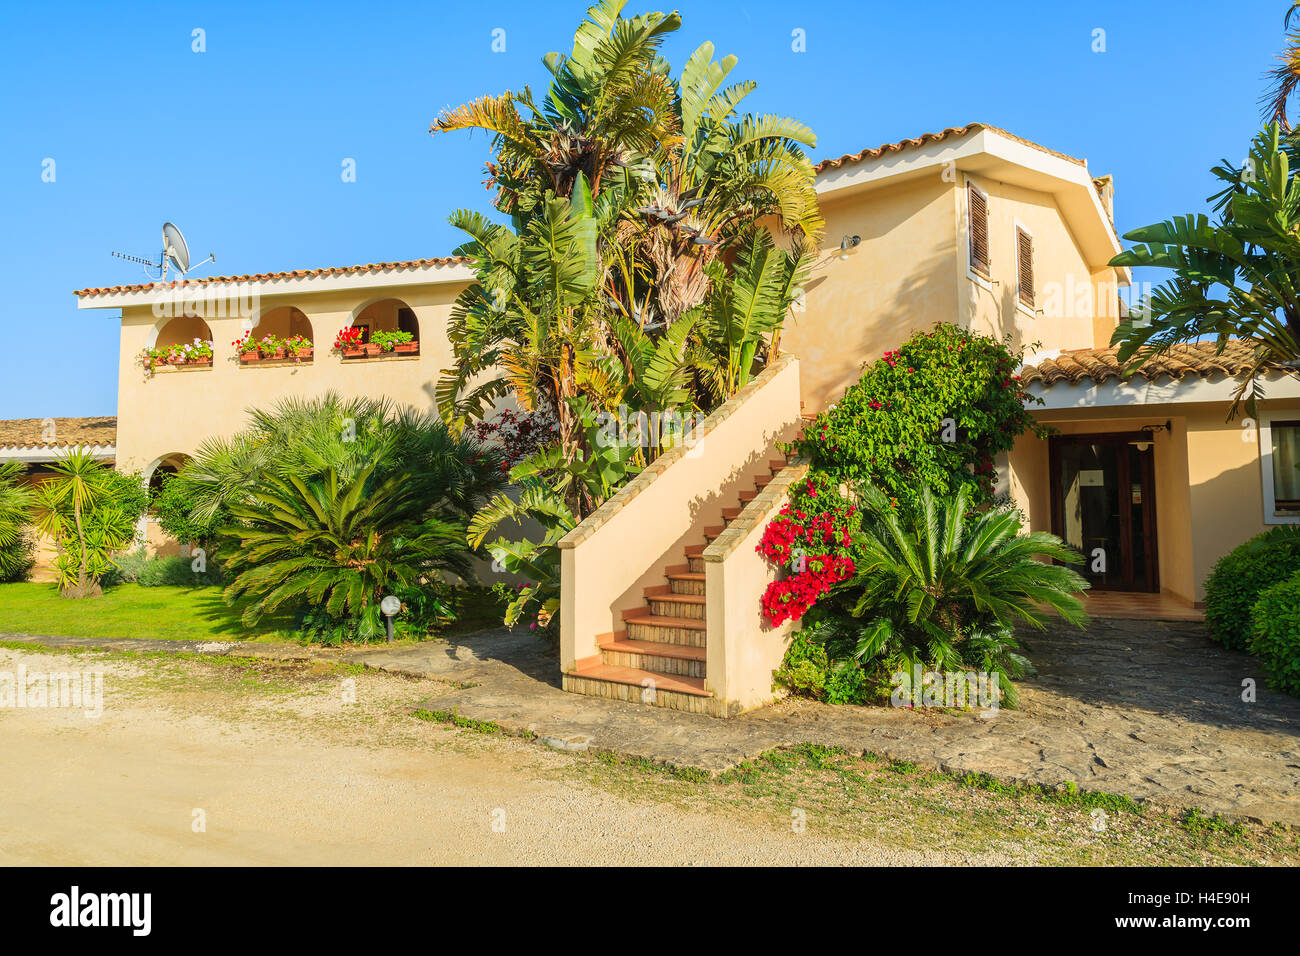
(340, 544)
(940, 588)
(16, 502)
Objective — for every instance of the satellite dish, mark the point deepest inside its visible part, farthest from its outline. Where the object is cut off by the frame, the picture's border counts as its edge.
(175, 248)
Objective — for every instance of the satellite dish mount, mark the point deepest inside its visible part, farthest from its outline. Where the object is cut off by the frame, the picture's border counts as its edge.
(175, 250)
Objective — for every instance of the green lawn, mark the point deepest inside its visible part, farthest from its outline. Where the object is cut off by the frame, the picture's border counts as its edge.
(129, 610)
(175, 613)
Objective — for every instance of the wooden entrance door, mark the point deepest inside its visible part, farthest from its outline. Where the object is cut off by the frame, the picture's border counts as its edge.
(1103, 505)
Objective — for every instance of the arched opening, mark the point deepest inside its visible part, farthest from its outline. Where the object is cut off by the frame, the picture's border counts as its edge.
(284, 329)
(162, 468)
(389, 326)
(181, 331)
(148, 533)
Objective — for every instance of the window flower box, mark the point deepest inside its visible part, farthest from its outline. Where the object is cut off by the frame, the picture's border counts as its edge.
(348, 343)
(246, 348)
(299, 348)
(395, 341)
(372, 350)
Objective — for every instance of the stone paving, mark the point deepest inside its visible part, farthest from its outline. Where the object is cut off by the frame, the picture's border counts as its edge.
(1149, 709)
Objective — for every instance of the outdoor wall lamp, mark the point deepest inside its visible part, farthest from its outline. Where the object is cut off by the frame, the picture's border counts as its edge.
(1151, 430)
(847, 243)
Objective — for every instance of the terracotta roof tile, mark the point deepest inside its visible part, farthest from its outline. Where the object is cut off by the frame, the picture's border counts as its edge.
(1100, 365)
(32, 432)
(292, 274)
(954, 131)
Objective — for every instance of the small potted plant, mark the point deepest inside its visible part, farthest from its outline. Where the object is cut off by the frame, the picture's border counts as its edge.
(247, 348)
(152, 358)
(401, 342)
(348, 343)
(271, 348)
(198, 352)
(299, 347)
(176, 355)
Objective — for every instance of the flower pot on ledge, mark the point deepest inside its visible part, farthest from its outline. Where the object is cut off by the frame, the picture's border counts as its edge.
(246, 357)
(352, 351)
(304, 355)
(372, 349)
(276, 356)
(201, 360)
(176, 360)
(407, 348)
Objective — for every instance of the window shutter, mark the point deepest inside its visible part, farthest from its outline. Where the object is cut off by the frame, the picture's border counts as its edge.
(1025, 266)
(978, 205)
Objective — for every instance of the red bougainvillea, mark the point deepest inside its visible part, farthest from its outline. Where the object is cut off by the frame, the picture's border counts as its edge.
(811, 538)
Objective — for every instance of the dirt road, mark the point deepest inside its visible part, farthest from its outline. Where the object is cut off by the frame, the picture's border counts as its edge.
(188, 767)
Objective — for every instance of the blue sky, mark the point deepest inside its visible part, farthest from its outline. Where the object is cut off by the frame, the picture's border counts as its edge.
(243, 145)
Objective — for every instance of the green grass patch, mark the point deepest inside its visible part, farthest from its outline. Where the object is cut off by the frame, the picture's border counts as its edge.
(180, 614)
(131, 611)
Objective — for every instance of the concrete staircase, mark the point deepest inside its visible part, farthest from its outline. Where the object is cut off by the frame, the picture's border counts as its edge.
(661, 656)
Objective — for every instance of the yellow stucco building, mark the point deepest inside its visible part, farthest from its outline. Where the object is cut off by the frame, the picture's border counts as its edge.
(971, 225)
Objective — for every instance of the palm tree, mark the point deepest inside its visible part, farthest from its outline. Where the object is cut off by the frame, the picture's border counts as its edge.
(337, 543)
(16, 501)
(742, 315)
(609, 97)
(530, 326)
(1235, 278)
(1285, 77)
(714, 183)
(939, 587)
(76, 508)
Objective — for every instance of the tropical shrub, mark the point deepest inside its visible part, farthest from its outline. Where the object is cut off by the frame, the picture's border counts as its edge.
(91, 512)
(1239, 578)
(933, 414)
(807, 671)
(812, 539)
(173, 504)
(516, 435)
(365, 496)
(137, 567)
(308, 545)
(941, 587)
(1230, 275)
(543, 487)
(1275, 634)
(17, 548)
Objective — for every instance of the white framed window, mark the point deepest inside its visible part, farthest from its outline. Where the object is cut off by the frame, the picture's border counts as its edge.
(978, 248)
(1025, 290)
(1279, 459)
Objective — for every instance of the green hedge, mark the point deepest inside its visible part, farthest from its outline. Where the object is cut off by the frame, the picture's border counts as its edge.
(1275, 634)
(1241, 576)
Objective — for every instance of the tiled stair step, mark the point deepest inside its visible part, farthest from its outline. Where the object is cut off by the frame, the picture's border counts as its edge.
(665, 603)
(667, 630)
(713, 531)
(776, 464)
(686, 582)
(747, 496)
(731, 514)
(675, 660)
(695, 564)
(762, 481)
(626, 683)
